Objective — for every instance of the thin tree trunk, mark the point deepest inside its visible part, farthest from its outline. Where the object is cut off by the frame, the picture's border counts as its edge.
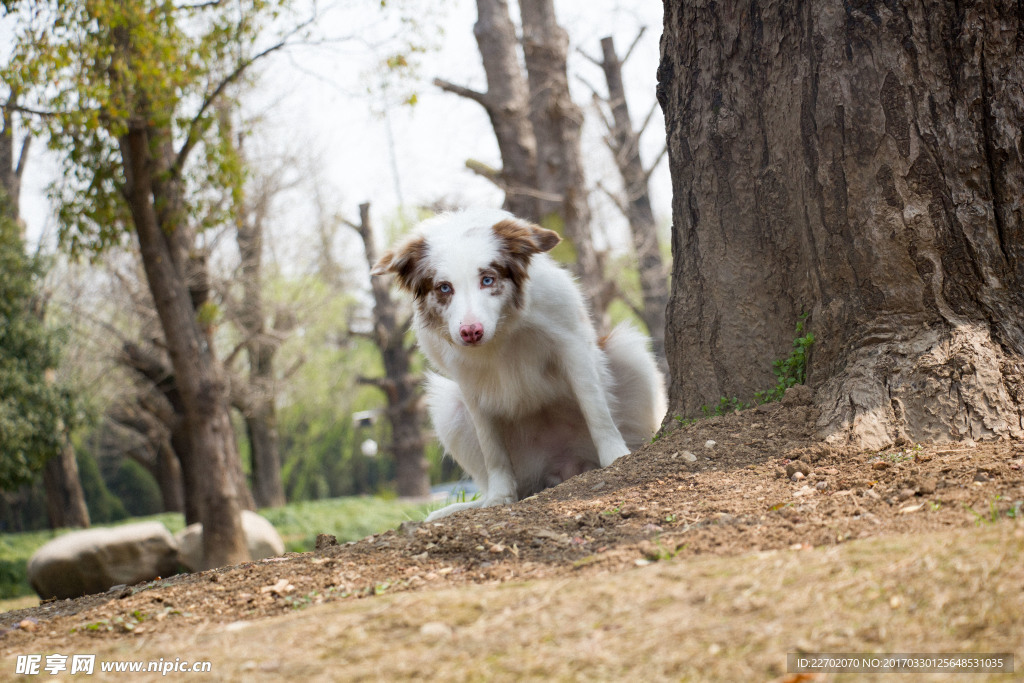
(261, 413)
(261, 427)
(507, 104)
(399, 384)
(557, 123)
(196, 375)
(65, 500)
(12, 166)
(169, 478)
(860, 162)
(625, 144)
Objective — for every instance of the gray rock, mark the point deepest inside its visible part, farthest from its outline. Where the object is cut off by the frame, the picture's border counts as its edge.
(93, 560)
(260, 536)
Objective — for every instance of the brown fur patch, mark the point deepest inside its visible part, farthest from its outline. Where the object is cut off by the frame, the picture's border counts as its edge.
(519, 241)
(408, 261)
(430, 310)
(525, 239)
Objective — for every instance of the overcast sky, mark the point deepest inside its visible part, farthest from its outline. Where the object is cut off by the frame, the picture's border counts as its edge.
(317, 103)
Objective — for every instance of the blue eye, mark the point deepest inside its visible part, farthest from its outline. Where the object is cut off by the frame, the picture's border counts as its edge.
(487, 281)
(445, 288)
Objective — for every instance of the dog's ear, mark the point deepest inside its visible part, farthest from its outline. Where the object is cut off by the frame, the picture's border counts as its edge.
(405, 261)
(525, 239)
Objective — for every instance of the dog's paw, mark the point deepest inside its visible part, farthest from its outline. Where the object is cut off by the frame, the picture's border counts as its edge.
(499, 499)
(609, 455)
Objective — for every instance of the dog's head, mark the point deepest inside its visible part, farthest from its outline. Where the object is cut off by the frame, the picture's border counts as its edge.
(467, 270)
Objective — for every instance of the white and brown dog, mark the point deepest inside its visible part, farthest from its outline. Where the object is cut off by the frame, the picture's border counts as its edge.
(528, 396)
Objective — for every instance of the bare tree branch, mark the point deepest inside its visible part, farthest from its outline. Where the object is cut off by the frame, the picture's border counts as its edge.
(657, 160)
(192, 132)
(614, 198)
(461, 91)
(593, 60)
(633, 45)
(488, 172)
(647, 119)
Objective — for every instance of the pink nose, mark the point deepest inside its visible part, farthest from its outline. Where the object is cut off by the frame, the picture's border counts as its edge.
(472, 333)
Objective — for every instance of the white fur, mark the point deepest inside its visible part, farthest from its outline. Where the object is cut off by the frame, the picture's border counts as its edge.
(537, 400)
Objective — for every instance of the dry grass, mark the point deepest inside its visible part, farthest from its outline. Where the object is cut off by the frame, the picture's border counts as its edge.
(698, 618)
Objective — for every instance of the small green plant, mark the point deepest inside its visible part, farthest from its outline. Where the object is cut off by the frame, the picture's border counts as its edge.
(723, 407)
(685, 421)
(669, 519)
(934, 505)
(612, 511)
(898, 456)
(1013, 512)
(298, 602)
(791, 370)
(658, 552)
(460, 497)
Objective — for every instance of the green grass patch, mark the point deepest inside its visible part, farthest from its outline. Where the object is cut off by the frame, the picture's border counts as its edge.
(349, 519)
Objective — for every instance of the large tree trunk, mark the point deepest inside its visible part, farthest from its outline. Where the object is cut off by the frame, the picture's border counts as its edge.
(861, 162)
(557, 123)
(507, 102)
(399, 384)
(65, 500)
(625, 145)
(196, 375)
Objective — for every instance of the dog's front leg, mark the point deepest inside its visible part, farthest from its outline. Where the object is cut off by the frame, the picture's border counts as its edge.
(501, 480)
(593, 401)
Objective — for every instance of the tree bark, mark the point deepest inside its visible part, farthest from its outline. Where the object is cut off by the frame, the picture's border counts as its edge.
(399, 384)
(625, 145)
(557, 122)
(166, 405)
(261, 413)
(11, 166)
(860, 162)
(65, 500)
(507, 104)
(202, 391)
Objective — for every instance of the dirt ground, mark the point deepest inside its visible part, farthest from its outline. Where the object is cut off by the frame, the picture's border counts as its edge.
(708, 554)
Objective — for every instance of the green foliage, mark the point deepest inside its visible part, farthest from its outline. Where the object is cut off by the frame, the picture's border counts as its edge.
(104, 507)
(135, 489)
(791, 370)
(15, 550)
(101, 68)
(36, 409)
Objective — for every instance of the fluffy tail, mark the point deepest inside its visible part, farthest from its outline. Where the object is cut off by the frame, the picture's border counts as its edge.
(638, 386)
